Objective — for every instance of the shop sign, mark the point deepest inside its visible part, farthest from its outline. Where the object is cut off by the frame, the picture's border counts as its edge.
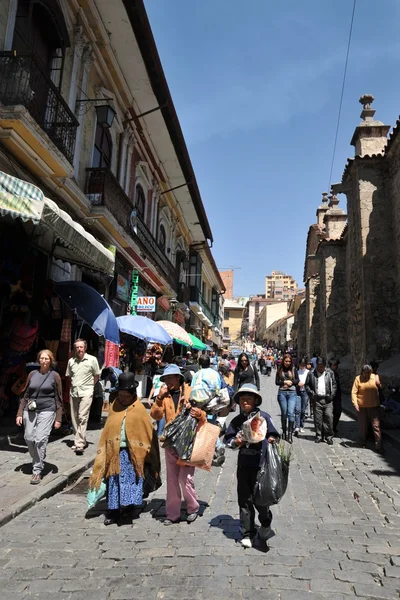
(134, 292)
(146, 304)
(122, 288)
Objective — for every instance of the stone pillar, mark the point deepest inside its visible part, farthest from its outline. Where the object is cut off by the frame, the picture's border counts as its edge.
(370, 137)
(335, 219)
(322, 209)
(372, 280)
(129, 155)
(79, 42)
(87, 61)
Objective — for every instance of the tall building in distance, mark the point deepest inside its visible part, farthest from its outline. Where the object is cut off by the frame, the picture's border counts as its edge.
(280, 286)
(227, 278)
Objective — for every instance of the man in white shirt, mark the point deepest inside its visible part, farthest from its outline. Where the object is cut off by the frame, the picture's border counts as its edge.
(83, 371)
(321, 387)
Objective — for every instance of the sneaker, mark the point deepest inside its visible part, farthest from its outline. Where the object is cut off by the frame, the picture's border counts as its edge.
(169, 522)
(329, 441)
(192, 517)
(79, 452)
(301, 430)
(246, 542)
(35, 479)
(264, 533)
(296, 431)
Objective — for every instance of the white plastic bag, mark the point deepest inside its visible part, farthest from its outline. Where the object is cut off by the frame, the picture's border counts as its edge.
(254, 430)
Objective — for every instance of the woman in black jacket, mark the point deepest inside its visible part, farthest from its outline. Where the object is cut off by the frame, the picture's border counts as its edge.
(245, 373)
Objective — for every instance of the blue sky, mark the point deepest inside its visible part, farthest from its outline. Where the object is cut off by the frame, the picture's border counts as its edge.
(256, 86)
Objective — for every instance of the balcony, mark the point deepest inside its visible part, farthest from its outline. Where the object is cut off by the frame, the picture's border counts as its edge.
(200, 306)
(24, 82)
(104, 190)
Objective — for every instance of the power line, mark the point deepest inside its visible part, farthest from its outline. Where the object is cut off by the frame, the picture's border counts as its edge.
(342, 92)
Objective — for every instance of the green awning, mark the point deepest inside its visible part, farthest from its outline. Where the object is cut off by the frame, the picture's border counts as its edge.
(197, 344)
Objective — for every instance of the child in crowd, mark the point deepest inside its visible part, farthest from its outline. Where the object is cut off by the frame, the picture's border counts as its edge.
(250, 459)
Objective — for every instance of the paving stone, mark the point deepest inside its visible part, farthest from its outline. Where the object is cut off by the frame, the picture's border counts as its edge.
(330, 586)
(376, 592)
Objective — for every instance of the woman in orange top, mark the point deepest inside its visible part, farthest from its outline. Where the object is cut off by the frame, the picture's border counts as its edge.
(365, 397)
(168, 404)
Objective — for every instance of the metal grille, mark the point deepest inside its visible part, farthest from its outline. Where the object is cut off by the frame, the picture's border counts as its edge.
(23, 81)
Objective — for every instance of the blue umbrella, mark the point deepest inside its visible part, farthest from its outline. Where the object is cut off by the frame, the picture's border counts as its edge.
(144, 329)
(91, 308)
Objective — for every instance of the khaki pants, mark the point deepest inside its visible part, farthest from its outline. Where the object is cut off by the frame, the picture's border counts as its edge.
(80, 409)
(365, 417)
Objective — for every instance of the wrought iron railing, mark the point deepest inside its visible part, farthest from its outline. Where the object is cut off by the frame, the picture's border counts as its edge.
(103, 189)
(24, 81)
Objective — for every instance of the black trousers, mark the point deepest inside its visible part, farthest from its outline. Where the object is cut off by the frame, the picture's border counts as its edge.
(323, 415)
(337, 411)
(246, 480)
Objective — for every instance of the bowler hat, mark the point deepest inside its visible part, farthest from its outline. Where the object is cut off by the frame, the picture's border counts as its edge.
(172, 370)
(127, 382)
(248, 388)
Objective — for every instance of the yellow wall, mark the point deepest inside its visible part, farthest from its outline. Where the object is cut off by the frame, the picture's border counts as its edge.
(234, 322)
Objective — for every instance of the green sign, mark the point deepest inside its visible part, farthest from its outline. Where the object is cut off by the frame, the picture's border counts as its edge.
(134, 292)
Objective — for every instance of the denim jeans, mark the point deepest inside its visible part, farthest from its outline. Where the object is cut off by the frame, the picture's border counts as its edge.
(287, 402)
(301, 409)
(160, 426)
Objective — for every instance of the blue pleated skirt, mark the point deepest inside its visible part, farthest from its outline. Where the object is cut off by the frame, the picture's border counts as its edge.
(125, 489)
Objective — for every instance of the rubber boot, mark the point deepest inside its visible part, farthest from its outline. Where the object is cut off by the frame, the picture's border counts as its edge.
(290, 432)
(284, 428)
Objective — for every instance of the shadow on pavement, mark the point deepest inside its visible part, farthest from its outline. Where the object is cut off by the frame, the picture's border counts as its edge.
(26, 469)
(231, 530)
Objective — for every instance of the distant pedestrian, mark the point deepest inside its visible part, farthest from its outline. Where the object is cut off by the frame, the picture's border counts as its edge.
(245, 372)
(321, 387)
(169, 403)
(262, 365)
(214, 361)
(250, 459)
(128, 448)
(314, 361)
(40, 409)
(287, 379)
(365, 398)
(83, 371)
(337, 400)
(302, 398)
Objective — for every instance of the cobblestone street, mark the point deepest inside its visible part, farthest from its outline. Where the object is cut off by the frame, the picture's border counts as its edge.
(337, 535)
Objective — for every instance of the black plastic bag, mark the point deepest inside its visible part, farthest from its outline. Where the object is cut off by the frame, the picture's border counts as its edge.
(272, 478)
(180, 434)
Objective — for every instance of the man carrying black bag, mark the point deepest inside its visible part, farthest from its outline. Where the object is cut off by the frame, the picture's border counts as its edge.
(250, 459)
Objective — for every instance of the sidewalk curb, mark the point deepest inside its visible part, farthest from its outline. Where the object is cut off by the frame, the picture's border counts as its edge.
(386, 433)
(45, 491)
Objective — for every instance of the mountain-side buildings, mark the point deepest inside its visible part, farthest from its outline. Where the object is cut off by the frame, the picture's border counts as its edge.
(352, 273)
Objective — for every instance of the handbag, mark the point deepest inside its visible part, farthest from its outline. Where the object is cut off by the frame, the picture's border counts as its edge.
(203, 448)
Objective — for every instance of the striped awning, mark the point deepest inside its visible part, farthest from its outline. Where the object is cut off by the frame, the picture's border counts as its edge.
(20, 199)
(66, 238)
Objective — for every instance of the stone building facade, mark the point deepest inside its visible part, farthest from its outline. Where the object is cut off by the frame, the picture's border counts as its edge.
(352, 271)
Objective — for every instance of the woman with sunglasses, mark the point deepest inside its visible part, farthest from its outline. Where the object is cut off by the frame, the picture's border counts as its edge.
(245, 373)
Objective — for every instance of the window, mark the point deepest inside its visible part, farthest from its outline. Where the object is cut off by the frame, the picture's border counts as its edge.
(226, 330)
(162, 238)
(226, 314)
(140, 201)
(102, 148)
